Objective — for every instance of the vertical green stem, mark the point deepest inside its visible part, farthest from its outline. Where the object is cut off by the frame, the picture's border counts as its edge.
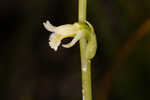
(85, 63)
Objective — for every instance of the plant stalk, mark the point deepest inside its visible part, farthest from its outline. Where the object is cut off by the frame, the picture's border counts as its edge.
(85, 63)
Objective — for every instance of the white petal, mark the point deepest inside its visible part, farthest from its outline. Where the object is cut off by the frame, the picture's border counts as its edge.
(49, 27)
(65, 29)
(75, 40)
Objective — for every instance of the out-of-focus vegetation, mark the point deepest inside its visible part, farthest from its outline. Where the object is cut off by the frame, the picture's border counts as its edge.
(30, 70)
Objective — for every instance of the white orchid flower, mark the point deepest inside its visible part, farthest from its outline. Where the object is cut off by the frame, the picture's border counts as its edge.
(64, 31)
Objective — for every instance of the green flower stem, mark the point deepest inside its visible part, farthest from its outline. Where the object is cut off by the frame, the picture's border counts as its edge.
(85, 63)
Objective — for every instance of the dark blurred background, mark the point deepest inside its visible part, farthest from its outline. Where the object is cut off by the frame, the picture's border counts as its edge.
(31, 70)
